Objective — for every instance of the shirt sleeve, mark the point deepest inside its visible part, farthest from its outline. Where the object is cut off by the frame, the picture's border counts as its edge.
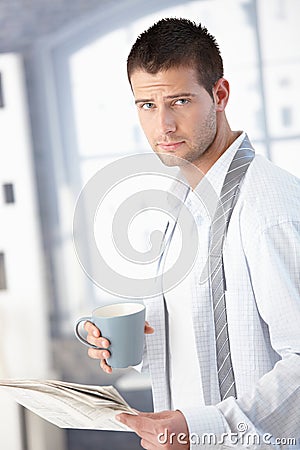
(207, 426)
(269, 414)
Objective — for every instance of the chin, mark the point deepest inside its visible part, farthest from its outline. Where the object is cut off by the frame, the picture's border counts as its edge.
(172, 160)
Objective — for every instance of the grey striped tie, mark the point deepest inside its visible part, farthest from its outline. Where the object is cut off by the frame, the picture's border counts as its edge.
(228, 198)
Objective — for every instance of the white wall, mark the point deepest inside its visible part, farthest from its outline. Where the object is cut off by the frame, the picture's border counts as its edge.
(24, 347)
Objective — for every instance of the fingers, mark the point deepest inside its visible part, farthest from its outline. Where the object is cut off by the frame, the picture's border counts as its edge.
(148, 329)
(132, 421)
(103, 355)
(140, 423)
(105, 367)
(156, 428)
(150, 415)
(98, 354)
(94, 337)
(91, 329)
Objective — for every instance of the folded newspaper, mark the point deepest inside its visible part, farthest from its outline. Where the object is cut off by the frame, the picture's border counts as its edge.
(70, 405)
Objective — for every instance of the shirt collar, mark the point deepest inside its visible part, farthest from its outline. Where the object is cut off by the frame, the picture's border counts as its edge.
(209, 189)
(217, 173)
(210, 186)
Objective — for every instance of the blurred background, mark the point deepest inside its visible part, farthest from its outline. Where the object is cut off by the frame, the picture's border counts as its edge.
(66, 110)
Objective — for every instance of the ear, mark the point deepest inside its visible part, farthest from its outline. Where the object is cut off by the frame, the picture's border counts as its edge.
(221, 94)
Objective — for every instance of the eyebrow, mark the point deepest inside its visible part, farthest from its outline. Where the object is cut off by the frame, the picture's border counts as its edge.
(167, 97)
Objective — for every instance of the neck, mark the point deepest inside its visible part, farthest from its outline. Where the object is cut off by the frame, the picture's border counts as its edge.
(221, 143)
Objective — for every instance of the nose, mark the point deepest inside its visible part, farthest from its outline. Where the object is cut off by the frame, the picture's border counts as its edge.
(166, 121)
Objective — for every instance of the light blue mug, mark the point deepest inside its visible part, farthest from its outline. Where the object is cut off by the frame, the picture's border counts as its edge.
(123, 325)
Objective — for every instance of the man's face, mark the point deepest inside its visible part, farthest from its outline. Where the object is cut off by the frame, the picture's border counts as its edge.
(177, 115)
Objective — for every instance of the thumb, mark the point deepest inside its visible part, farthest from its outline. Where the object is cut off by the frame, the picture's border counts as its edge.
(148, 329)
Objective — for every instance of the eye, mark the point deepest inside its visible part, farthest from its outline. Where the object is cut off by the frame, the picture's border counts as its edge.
(147, 105)
(181, 101)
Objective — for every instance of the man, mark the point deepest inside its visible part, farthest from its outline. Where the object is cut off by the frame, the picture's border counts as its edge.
(176, 75)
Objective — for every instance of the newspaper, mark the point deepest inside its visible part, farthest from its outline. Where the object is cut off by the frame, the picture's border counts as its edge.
(70, 405)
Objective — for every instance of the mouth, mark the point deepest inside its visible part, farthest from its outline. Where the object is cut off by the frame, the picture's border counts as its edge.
(169, 146)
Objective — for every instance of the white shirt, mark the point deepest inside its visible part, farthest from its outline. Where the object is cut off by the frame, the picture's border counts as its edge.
(262, 267)
(186, 386)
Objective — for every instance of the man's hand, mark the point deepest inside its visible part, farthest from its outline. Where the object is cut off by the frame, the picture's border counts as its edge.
(164, 430)
(94, 337)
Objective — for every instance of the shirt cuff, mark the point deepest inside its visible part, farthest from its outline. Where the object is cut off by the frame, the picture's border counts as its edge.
(206, 424)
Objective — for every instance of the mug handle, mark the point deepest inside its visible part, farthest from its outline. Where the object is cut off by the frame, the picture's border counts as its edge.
(80, 338)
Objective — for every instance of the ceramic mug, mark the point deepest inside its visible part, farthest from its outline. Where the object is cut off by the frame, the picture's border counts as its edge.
(123, 325)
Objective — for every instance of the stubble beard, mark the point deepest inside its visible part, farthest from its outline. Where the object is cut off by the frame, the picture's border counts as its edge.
(202, 142)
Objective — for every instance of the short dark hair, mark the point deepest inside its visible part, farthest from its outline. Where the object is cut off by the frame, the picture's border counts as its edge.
(177, 42)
